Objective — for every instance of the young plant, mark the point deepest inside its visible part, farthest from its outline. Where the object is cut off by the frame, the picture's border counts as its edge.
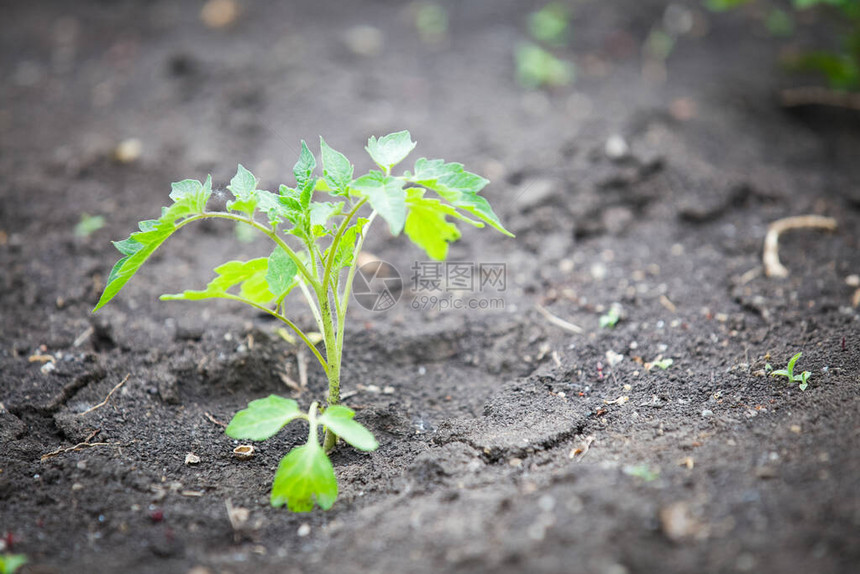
(788, 372)
(316, 247)
(609, 319)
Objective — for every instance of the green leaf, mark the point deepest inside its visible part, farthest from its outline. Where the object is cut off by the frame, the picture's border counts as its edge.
(537, 67)
(243, 186)
(303, 172)
(291, 204)
(189, 198)
(304, 477)
(457, 186)
(427, 225)
(390, 150)
(550, 23)
(89, 224)
(386, 196)
(270, 204)
(790, 367)
(337, 171)
(663, 363)
(723, 5)
(250, 274)
(9, 563)
(340, 420)
(610, 318)
(780, 373)
(281, 275)
(321, 212)
(263, 418)
(346, 247)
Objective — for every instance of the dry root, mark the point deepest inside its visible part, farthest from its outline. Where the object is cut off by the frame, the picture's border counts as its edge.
(770, 257)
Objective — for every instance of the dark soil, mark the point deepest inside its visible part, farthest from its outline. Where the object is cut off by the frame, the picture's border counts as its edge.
(708, 466)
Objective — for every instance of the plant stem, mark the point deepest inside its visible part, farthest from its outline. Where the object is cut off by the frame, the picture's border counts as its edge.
(333, 354)
(286, 321)
(262, 229)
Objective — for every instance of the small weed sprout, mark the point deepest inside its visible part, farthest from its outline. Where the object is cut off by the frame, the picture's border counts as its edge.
(316, 248)
(788, 372)
(609, 319)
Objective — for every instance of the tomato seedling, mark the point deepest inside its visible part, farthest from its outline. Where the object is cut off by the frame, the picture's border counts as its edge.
(328, 236)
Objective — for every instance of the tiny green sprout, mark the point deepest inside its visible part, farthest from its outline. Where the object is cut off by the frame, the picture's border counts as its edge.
(89, 224)
(642, 471)
(609, 319)
(431, 20)
(316, 249)
(550, 23)
(537, 68)
(9, 563)
(788, 372)
(663, 364)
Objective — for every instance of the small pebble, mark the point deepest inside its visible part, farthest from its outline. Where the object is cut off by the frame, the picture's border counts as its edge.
(616, 148)
(304, 530)
(707, 413)
(128, 151)
(219, 13)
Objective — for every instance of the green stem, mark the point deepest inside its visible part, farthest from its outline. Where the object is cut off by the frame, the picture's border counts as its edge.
(347, 287)
(333, 354)
(313, 435)
(262, 229)
(289, 324)
(332, 250)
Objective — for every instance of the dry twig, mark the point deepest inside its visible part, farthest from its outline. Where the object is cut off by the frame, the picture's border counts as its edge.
(770, 257)
(558, 321)
(77, 447)
(819, 96)
(214, 420)
(107, 398)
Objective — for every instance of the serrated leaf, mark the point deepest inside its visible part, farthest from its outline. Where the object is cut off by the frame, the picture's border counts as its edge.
(270, 204)
(303, 172)
(305, 477)
(322, 211)
(337, 171)
(386, 196)
(340, 420)
(243, 186)
(390, 150)
(250, 275)
(189, 198)
(263, 418)
(346, 247)
(427, 225)
(458, 186)
(281, 275)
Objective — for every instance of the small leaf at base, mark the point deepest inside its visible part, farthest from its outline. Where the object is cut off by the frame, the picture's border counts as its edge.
(304, 477)
(263, 418)
(340, 420)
